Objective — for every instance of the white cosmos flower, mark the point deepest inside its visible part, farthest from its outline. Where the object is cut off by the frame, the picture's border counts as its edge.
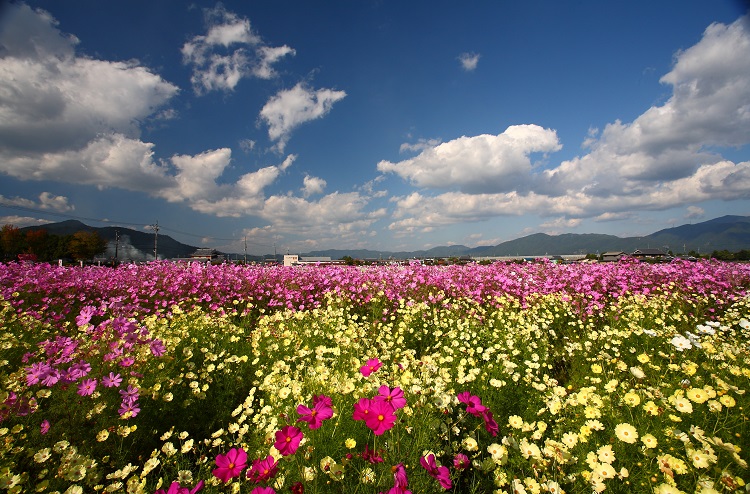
(681, 343)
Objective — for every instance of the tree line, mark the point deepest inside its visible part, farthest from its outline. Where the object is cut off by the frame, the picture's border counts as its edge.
(40, 245)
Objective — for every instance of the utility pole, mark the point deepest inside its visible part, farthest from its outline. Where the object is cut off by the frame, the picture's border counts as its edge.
(246, 250)
(155, 226)
(117, 244)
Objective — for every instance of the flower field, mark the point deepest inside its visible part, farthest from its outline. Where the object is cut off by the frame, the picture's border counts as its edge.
(536, 378)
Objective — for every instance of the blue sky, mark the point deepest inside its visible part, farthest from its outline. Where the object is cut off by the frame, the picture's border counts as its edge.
(374, 124)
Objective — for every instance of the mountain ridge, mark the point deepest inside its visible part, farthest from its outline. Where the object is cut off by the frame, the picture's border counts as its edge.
(730, 232)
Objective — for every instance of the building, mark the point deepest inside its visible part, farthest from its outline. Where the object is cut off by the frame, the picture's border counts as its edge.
(612, 256)
(206, 255)
(295, 260)
(649, 253)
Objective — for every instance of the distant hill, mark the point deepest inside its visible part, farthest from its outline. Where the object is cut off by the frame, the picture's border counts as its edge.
(133, 244)
(730, 233)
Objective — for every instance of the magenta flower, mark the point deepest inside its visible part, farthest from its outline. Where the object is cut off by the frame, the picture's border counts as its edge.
(176, 488)
(461, 462)
(263, 490)
(473, 403)
(87, 387)
(400, 482)
(380, 417)
(44, 426)
(441, 474)
(393, 396)
(362, 409)
(230, 465)
(112, 380)
(157, 348)
(371, 366)
(489, 423)
(288, 439)
(129, 408)
(131, 392)
(263, 470)
(320, 411)
(371, 456)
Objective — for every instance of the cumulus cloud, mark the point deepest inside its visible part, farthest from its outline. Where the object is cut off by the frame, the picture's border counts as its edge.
(481, 163)
(695, 212)
(667, 157)
(228, 52)
(469, 61)
(313, 185)
(47, 201)
(292, 107)
(72, 118)
(420, 145)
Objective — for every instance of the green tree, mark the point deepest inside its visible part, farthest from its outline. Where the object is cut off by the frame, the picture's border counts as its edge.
(11, 242)
(85, 245)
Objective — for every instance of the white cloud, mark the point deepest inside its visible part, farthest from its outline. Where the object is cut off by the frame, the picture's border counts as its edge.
(229, 52)
(47, 201)
(292, 107)
(339, 217)
(247, 145)
(694, 212)
(22, 221)
(469, 61)
(481, 163)
(667, 157)
(420, 145)
(71, 118)
(313, 185)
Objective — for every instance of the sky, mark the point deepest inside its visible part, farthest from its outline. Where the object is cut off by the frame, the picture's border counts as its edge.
(298, 126)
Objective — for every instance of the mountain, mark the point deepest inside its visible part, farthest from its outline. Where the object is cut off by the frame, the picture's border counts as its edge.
(132, 245)
(730, 233)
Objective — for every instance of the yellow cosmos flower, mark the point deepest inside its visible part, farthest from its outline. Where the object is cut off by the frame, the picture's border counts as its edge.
(727, 401)
(649, 441)
(631, 399)
(697, 395)
(626, 433)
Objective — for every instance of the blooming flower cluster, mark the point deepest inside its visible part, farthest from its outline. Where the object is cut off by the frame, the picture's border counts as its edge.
(177, 379)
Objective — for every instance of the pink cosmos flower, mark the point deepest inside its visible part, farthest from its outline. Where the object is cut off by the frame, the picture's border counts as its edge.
(380, 417)
(44, 426)
(157, 348)
(263, 490)
(263, 470)
(441, 474)
(87, 387)
(371, 366)
(362, 409)
(230, 465)
(400, 482)
(461, 462)
(393, 396)
(473, 403)
(371, 456)
(320, 411)
(176, 488)
(489, 422)
(112, 380)
(288, 439)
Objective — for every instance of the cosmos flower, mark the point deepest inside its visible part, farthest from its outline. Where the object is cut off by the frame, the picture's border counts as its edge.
(320, 411)
(440, 473)
(372, 365)
(288, 439)
(263, 470)
(380, 417)
(393, 396)
(230, 465)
